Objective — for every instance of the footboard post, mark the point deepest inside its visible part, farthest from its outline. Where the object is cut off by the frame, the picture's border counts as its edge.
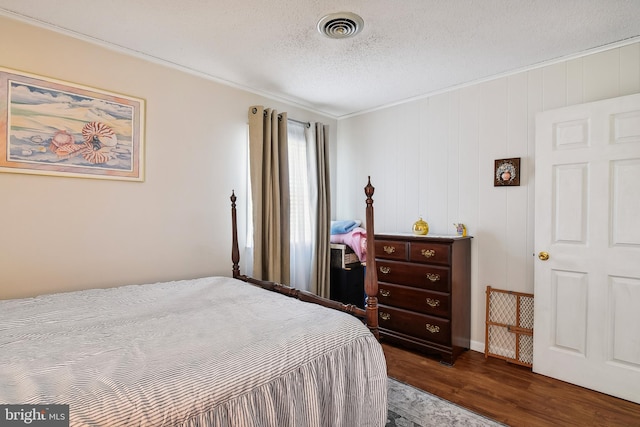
(371, 276)
(235, 251)
(368, 315)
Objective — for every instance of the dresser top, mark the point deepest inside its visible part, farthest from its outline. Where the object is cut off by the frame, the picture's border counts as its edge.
(412, 236)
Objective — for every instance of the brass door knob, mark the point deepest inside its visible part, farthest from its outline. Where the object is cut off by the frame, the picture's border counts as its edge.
(543, 256)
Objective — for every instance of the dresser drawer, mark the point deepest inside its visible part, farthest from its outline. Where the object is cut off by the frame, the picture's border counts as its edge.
(391, 249)
(427, 252)
(421, 326)
(430, 277)
(427, 302)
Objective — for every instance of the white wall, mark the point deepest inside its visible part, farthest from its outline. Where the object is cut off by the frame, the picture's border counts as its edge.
(434, 158)
(70, 233)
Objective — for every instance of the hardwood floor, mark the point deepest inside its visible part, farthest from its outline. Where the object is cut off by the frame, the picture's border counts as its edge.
(509, 393)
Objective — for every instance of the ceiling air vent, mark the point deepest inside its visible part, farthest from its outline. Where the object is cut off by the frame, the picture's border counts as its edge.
(340, 25)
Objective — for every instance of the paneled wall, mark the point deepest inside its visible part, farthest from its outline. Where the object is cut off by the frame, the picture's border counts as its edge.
(434, 157)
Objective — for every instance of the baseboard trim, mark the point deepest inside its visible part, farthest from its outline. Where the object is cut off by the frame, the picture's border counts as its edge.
(477, 346)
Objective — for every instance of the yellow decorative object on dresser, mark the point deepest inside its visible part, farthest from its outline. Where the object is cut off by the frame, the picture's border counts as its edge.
(420, 227)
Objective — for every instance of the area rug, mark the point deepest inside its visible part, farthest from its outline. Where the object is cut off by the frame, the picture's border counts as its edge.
(412, 407)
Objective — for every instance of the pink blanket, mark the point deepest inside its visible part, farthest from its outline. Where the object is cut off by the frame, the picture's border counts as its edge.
(356, 239)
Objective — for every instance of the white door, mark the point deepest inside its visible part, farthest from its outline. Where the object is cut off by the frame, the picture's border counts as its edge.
(587, 219)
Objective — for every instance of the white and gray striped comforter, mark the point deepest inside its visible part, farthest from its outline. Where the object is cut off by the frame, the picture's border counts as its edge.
(206, 352)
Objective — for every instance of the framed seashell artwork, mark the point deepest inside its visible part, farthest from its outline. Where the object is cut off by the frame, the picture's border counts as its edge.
(52, 127)
(507, 172)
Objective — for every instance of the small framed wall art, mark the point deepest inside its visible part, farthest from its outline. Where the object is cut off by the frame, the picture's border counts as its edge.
(507, 172)
(52, 127)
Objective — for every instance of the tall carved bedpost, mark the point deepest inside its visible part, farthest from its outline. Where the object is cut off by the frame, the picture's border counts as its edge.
(371, 276)
(235, 251)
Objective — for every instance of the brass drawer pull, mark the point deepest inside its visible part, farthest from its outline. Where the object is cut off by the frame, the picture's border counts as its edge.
(428, 253)
(384, 292)
(433, 302)
(433, 277)
(384, 315)
(389, 249)
(433, 328)
(385, 270)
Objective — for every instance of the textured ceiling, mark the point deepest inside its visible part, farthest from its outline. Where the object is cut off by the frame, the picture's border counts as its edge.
(407, 49)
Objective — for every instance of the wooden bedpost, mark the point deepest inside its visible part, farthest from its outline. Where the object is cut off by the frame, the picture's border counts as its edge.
(369, 314)
(235, 251)
(371, 276)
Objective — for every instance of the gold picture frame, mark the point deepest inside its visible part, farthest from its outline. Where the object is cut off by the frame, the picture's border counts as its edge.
(506, 172)
(53, 127)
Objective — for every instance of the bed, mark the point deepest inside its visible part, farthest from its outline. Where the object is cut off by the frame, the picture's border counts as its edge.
(213, 351)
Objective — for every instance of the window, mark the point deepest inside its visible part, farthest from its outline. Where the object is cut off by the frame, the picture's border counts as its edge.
(300, 209)
(302, 184)
(302, 193)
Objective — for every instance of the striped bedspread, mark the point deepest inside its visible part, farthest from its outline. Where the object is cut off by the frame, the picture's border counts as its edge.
(206, 352)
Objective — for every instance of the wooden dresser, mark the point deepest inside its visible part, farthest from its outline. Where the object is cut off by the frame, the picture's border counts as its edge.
(424, 292)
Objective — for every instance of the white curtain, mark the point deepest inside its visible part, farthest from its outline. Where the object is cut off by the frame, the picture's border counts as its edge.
(303, 193)
(310, 207)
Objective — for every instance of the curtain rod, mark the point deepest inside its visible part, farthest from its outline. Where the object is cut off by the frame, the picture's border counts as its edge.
(306, 124)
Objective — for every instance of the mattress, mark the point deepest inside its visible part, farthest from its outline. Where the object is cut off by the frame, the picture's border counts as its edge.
(205, 352)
